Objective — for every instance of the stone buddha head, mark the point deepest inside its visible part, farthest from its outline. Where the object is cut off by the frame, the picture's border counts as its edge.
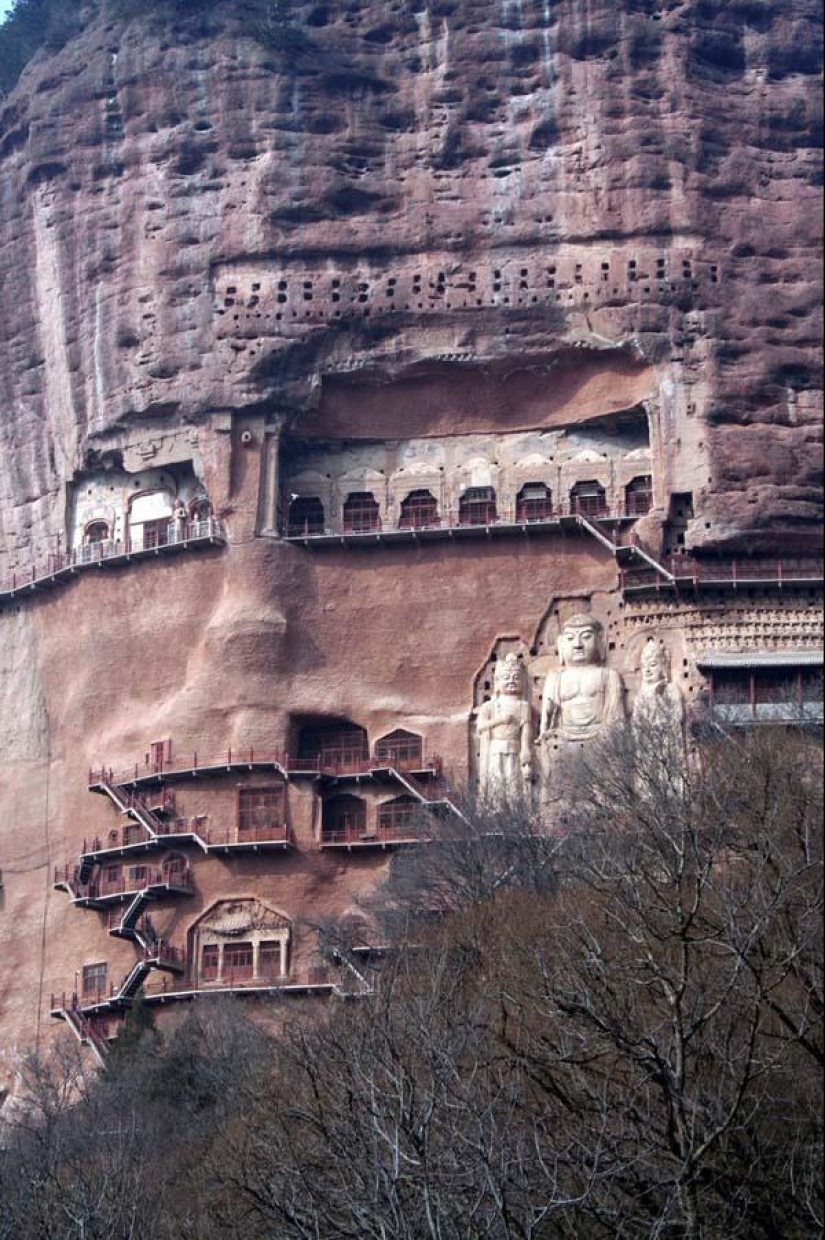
(581, 642)
(655, 663)
(509, 676)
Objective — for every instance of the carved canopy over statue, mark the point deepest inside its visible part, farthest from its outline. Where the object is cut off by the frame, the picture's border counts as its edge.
(504, 732)
(584, 696)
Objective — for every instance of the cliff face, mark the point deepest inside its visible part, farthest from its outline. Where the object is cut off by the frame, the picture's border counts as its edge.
(661, 157)
(420, 221)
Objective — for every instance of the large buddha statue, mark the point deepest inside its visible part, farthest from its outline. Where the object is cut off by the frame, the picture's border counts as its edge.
(503, 727)
(584, 696)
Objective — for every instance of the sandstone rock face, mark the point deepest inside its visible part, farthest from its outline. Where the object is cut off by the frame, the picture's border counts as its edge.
(433, 221)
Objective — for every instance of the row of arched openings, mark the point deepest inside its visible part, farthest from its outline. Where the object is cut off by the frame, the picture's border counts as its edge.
(477, 506)
(345, 819)
(99, 531)
(346, 745)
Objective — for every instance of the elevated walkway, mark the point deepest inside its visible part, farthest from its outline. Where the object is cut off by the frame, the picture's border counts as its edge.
(58, 570)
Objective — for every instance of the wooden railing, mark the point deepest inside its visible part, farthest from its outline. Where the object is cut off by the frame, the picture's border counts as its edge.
(503, 516)
(102, 888)
(235, 757)
(57, 565)
(689, 571)
(404, 829)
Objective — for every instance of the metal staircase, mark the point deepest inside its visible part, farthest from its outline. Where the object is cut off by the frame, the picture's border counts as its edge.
(626, 554)
(156, 829)
(84, 1029)
(424, 794)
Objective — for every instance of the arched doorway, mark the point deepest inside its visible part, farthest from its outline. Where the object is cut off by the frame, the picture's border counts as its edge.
(589, 499)
(400, 748)
(534, 502)
(477, 506)
(344, 819)
(306, 516)
(639, 496)
(361, 513)
(419, 511)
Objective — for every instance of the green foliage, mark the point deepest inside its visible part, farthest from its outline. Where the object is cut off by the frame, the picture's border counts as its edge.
(48, 25)
(32, 25)
(138, 1032)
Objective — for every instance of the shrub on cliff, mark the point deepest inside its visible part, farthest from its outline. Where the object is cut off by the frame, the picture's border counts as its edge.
(31, 25)
(48, 25)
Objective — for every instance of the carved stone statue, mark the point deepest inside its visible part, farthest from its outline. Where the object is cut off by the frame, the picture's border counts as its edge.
(504, 729)
(584, 696)
(659, 704)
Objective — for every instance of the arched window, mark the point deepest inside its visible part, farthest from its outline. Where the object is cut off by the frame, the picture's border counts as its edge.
(361, 513)
(418, 511)
(477, 506)
(400, 816)
(334, 746)
(150, 519)
(306, 516)
(639, 496)
(400, 748)
(96, 532)
(175, 870)
(344, 819)
(534, 502)
(200, 510)
(589, 499)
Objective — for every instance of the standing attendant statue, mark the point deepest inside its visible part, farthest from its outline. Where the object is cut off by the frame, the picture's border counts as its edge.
(504, 729)
(583, 697)
(659, 708)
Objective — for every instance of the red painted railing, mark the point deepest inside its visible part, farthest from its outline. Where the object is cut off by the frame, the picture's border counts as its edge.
(52, 567)
(689, 571)
(253, 756)
(238, 979)
(102, 887)
(402, 831)
(505, 516)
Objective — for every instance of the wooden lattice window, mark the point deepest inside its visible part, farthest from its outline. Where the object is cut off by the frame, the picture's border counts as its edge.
(261, 812)
(306, 516)
(210, 962)
(361, 513)
(95, 978)
(399, 816)
(335, 746)
(400, 748)
(534, 502)
(733, 687)
(175, 869)
(418, 511)
(270, 959)
(477, 506)
(639, 496)
(156, 533)
(589, 499)
(238, 961)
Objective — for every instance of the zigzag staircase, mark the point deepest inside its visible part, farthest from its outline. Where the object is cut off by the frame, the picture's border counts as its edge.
(423, 794)
(157, 830)
(87, 1034)
(626, 554)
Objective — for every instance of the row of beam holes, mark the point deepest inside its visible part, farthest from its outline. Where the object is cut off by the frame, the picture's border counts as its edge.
(439, 288)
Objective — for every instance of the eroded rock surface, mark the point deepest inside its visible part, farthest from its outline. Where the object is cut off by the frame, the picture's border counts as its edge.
(394, 222)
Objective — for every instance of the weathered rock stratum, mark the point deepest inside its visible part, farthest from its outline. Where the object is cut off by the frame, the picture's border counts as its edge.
(422, 248)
